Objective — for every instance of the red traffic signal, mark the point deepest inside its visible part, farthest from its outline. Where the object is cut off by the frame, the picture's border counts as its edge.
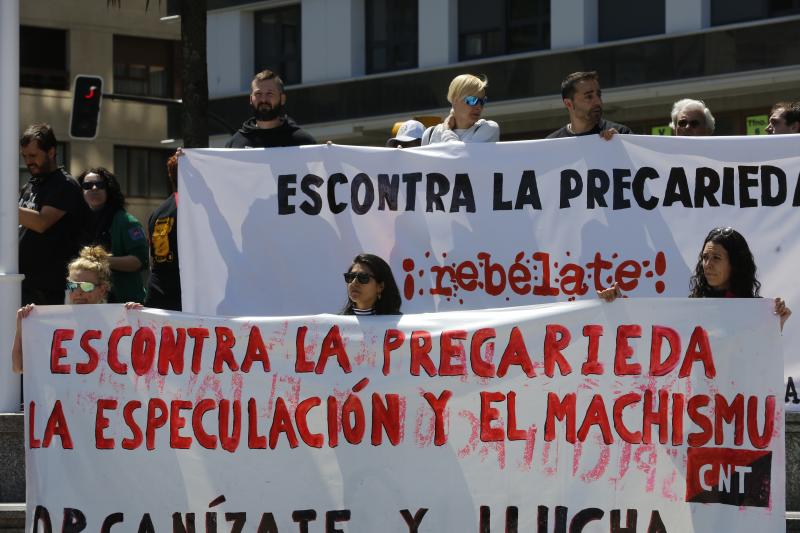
(87, 92)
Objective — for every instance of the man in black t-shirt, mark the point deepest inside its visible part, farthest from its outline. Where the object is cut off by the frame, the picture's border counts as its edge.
(583, 99)
(52, 219)
(269, 126)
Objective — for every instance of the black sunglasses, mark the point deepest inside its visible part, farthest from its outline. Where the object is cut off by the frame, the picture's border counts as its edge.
(693, 123)
(89, 185)
(362, 277)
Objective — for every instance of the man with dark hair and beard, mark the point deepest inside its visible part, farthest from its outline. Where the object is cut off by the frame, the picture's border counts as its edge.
(53, 218)
(582, 96)
(269, 127)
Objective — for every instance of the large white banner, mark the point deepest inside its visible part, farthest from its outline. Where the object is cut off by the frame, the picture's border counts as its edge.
(469, 226)
(648, 415)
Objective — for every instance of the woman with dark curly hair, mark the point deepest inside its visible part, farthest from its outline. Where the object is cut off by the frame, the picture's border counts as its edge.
(118, 231)
(725, 269)
(371, 289)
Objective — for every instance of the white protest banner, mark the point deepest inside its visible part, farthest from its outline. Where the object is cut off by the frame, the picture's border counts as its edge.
(660, 415)
(470, 226)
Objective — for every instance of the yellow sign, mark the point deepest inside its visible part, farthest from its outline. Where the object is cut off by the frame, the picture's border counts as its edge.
(757, 124)
(661, 130)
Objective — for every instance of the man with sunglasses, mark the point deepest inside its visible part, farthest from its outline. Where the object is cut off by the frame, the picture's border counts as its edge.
(269, 126)
(582, 96)
(52, 219)
(691, 118)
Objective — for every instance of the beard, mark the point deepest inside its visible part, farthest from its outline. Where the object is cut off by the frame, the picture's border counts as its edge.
(266, 112)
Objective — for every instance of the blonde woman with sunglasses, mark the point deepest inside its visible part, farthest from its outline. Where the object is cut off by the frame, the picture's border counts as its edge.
(88, 282)
(467, 95)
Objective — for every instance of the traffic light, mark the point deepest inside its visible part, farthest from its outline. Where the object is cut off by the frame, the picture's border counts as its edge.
(87, 92)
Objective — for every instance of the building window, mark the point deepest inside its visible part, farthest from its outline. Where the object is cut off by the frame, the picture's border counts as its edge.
(277, 42)
(142, 172)
(391, 35)
(43, 58)
(146, 67)
(62, 157)
(732, 11)
(625, 19)
(488, 29)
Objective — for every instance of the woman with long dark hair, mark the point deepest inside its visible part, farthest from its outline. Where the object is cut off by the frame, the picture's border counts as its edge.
(725, 269)
(371, 289)
(118, 232)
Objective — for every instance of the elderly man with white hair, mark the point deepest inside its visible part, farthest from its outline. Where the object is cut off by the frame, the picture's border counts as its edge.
(691, 118)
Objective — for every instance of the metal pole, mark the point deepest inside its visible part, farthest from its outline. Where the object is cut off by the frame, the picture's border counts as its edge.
(9, 192)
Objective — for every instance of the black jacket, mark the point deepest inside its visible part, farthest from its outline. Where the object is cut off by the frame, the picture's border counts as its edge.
(287, 134)
(603, 125)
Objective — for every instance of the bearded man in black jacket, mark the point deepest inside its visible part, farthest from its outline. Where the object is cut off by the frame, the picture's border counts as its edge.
(269, 127)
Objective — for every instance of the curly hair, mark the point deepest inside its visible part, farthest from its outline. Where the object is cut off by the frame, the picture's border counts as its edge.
(93, 259)
(115, 200)
(743, 282)
(389, 301)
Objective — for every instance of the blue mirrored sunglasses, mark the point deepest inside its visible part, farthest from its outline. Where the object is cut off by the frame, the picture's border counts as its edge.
(472, 101)
(86, 286)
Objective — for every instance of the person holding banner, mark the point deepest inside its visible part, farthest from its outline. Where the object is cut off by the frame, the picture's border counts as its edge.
(784, 117)
(582, 96)
(371, 289)
(691, 118)
(725, 269)
(164, 284)
(88, 282)
(467, 95)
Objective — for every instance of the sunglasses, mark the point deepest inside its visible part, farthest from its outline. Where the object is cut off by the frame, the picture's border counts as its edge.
(362, 277)
(693, 123)
(89, 185)
(725, 232)
(472, 101)
(86, 286)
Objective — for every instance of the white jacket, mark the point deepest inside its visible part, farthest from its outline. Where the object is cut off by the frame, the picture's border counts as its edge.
(483, 131)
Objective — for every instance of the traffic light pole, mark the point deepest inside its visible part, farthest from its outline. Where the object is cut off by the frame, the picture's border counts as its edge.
(173, 102)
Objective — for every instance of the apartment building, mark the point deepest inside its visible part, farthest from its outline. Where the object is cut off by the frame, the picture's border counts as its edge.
(355, 67)
(136, 54)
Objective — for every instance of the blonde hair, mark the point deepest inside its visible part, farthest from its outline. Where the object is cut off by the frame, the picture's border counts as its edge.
(466, 85)
(93, 259)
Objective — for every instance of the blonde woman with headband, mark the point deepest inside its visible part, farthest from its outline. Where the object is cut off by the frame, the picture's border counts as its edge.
(467, 95)
(88, 282)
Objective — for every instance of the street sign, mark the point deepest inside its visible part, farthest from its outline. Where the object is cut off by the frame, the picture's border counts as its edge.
(757, 124)
(661, 130)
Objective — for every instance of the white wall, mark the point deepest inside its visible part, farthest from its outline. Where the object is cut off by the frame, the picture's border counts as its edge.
(438, 32)
(333, 39)
(687, 15)
(231, 54)
(573, 23)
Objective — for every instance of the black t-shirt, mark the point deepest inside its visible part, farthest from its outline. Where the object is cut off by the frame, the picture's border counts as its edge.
(164, 287)
(43, 257)
(603, 125)
(287, 134)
